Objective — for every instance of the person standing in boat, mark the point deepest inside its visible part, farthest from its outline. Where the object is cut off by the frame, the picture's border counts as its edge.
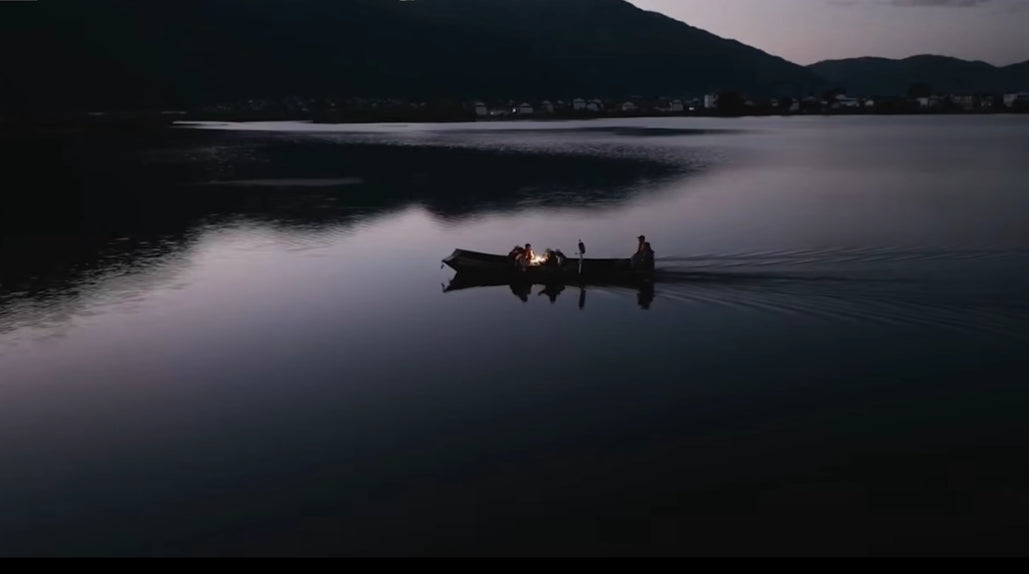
(582, 253)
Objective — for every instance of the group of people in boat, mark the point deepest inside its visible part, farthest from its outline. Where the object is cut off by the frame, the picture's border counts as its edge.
(525, 256)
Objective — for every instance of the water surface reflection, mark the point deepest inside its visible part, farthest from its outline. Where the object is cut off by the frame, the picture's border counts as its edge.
(235, 342)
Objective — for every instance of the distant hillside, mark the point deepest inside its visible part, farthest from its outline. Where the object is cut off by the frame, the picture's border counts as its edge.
(881, 76)
(1018, 75)
(103, 54)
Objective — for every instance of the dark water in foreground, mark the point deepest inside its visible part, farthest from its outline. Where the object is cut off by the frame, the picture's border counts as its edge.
(237, 342)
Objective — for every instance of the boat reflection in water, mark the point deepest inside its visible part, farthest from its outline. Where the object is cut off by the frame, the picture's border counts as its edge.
(523, 289)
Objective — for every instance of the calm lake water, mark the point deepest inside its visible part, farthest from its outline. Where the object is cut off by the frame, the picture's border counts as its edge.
(234, 339)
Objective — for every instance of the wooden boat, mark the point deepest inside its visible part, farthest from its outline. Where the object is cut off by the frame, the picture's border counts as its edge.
(502, 266)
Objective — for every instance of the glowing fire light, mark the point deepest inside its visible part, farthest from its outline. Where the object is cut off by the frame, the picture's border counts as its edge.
(538, 259)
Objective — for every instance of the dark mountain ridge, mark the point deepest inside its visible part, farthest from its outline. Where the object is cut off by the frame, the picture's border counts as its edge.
(945, 75)
(109, 54)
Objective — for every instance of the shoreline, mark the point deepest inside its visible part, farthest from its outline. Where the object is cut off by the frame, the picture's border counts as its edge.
(10, 125)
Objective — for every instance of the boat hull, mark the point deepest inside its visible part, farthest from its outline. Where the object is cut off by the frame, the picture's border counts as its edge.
(463, 281)
(500, 266)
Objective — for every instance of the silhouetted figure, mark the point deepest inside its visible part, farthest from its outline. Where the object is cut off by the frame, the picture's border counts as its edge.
(528, 255)
(645, 296)
(582, 253)
(517, 253)
(648, 256)
(552, 291)
(644, 256)
(551, 258)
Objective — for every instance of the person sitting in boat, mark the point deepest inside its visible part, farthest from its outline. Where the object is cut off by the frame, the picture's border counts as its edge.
(551, 258)
(637, 258)
(523, 255)
(559, 257)
(528, 254)
(517, 253)
(644, 256)
(648, 256)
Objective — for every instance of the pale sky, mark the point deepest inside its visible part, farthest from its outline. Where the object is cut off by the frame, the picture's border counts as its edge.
(806, 31)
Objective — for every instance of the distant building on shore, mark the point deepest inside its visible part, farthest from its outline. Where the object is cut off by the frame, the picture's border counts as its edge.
(1021, 98)
(966, 103)
(843, 102)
